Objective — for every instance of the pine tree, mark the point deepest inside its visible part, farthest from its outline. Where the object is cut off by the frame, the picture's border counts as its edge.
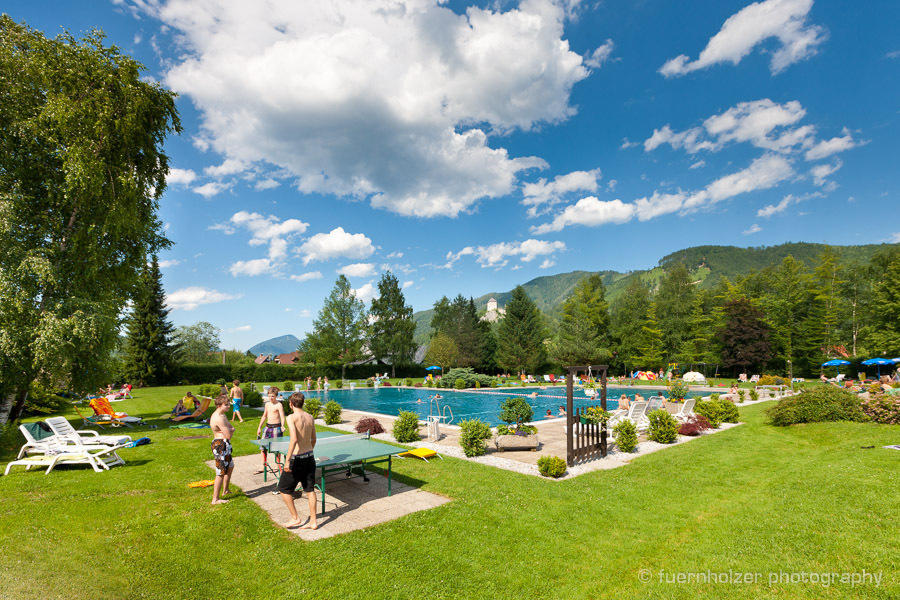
(674, 303)
(392, 328)
(583, 334)
(459, 320)
(885, 337)
(149, 350)
(650, 345)
(339, 330)
(520, 335)
(698, 347)
(628, 317)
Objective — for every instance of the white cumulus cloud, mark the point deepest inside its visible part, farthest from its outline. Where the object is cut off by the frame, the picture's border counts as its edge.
(180, 177)
(391, 101)
(498, 255)
(542, 194)
(365, 292)
(357, 270)
(600, 55)
(309, 276)
(191, 297)
(264, 231)
(752, 229)
(832, 146)
(210, 189)
(784, 20)
(337, 243)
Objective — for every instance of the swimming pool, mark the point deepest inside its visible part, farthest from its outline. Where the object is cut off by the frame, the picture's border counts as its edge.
(470, 404)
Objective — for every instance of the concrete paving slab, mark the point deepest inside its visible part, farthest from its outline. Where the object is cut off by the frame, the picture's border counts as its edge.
(349, 504)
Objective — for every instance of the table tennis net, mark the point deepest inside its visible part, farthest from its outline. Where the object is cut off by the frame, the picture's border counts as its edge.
(340, 439)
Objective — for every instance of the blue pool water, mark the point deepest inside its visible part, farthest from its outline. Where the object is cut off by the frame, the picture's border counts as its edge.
(484, 405)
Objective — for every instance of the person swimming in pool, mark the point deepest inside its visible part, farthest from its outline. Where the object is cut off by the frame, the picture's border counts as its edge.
(549, 414)
(562, 410)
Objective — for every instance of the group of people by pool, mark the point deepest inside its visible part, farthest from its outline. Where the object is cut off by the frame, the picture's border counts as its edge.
(624, 404)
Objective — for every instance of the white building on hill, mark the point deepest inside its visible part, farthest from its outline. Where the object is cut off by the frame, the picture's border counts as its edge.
(494, 312)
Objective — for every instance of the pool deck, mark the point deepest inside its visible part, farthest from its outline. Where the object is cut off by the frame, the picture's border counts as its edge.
(552, 435)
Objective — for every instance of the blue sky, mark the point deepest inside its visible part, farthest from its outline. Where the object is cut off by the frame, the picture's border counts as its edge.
(469, 148)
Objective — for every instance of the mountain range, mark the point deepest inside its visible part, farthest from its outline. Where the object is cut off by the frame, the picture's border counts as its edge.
(707, 264)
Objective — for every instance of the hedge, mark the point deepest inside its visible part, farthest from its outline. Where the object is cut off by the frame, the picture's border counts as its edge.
(193, 374)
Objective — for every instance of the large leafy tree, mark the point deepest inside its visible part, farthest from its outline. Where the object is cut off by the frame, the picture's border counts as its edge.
(81, 173)
(442, 351)
(744, 339)
(885, 336)
(199, 342)
(520, 334)
(583, 334)
(339, 330)
(149, 348)
(392, 326)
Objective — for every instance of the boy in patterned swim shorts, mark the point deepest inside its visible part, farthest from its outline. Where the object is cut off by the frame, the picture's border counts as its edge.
(273, 420)
(221, 448)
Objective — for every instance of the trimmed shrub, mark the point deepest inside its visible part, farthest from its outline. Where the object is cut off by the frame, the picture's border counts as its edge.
(742, 394)
(313, 406)
(663, 427)
(251, 397)
(417, 384)
(730, 412)
(754, 395)
(370, 383)
(460, 384)
(477, 384)
(516, 410)
(332, 413)
(287, 385)
(409, 382)
(678, 389)
(209, 389)
(370, 425)
(386, 383)
(773, 380)
(220, 382)
(882, 409)
(338, 383)
(472, 436)
(519, 430)
(625, 434)
(694, 426)
(406, 427)
(551, 466)
(815, 405)
(712, 410)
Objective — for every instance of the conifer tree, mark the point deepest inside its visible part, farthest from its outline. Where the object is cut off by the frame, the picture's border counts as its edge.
(520, 335)
(149, 350)
(339, 330)
(392, 326)
(583, 334)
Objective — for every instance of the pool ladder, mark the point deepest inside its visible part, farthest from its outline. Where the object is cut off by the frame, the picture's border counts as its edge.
(437, 415)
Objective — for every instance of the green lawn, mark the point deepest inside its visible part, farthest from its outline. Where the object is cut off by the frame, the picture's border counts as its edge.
(753, 499)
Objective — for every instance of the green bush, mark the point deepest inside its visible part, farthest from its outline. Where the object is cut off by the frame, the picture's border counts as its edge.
(370, 383)
(209, 389)
(460, 384)
(882, 409)
(472, 436)
(742, 394)
(338, 383)
(313, 406)
(251, 397)
(663, 427)
(815, 405)
(477, 384)
(712, 410)
(519, 430)
(754, 395)
(625, 433)
(42, 401)
(773, 380)
(332, 413)
(516, 410)
(287, 385)
(678, 389)
(406, 427)
(551, 466)
(409, 382)
(730, 412)
(220, 382)
(469, 377)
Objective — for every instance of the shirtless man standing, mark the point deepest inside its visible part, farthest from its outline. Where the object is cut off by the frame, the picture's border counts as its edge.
(237, 397)
(301, 464)
(221, 448)
(273, 419)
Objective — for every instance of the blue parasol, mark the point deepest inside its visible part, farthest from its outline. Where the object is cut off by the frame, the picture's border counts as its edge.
(432, 368)
(879, 362)
(836, 363)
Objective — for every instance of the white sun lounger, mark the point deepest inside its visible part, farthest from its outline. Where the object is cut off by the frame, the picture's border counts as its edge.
(64, 430)
(687, 409)
(57, 454)
(635, 414)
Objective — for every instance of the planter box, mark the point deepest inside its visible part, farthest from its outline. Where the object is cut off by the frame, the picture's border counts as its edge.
(516, 442)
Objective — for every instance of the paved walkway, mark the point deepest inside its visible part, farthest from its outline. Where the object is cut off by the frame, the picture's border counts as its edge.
(349, 505)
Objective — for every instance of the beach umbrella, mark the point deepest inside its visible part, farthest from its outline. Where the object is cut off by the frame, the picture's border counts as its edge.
(879, 362)
(432, 368)
(836, 362)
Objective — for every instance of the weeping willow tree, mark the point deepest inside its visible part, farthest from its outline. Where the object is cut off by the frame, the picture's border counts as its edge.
(81, 173)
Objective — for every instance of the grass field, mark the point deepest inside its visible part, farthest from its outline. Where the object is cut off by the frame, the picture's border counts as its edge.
(753, 499)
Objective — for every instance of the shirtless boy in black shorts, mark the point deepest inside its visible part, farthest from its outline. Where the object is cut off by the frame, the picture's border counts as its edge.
(301, 464)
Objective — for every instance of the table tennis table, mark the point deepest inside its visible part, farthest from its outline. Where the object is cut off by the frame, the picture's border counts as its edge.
(337, 453)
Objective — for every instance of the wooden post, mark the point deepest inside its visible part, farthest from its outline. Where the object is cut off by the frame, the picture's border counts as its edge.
(603, 406)
(570, 450)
